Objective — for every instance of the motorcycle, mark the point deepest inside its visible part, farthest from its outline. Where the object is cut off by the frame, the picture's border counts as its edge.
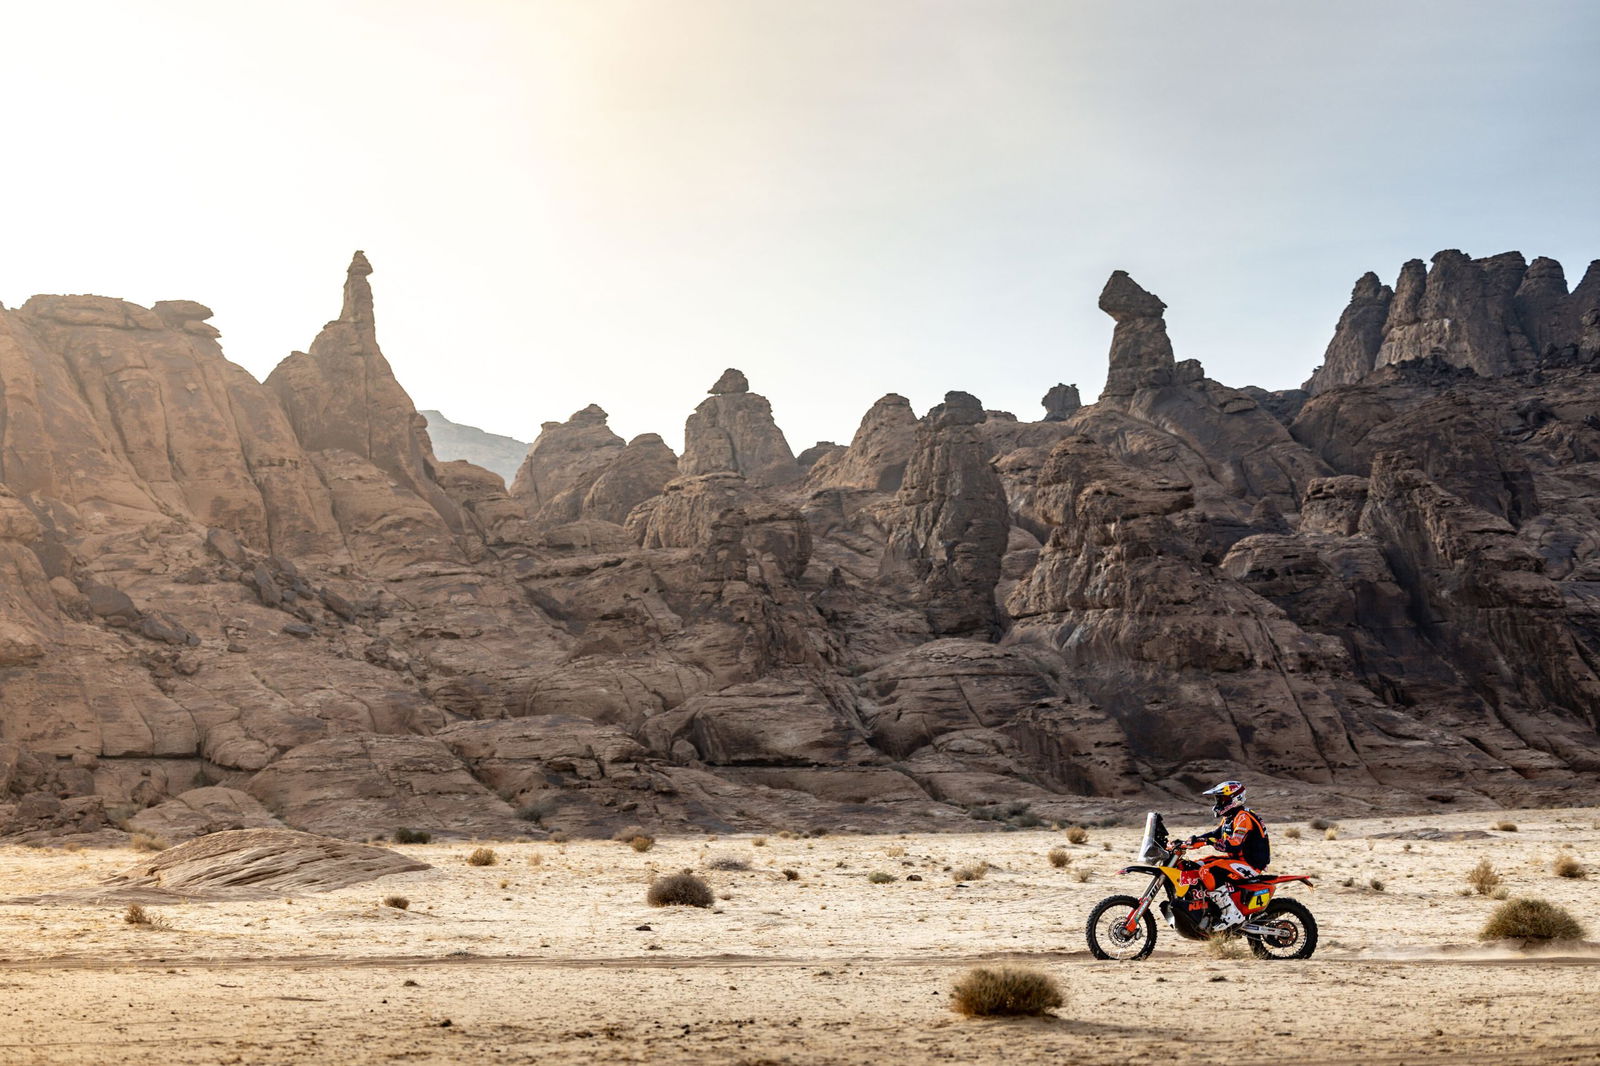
(1123, 928)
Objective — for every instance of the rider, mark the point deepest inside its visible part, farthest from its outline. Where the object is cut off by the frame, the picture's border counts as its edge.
(1242, 838)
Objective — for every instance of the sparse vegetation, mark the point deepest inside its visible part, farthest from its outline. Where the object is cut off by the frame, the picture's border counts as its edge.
(1006, 991)
(679, 890)
(1059, 857)
(137, 915)
(628, 834)
(880, 877)
(1484, 878)
(558, 837)
(1331, 833)
(1293, 832)
(894, 851)
(1077, 835)
(975, 871)
(1505, 827)
(1500, 893)
(1531, 919)
(1016, 814)
(727, 862)
(759, 842)
(1320, 824)
(642, 842)
(1081, 874)
(535, 858)
(147, 842)
(482, 857)
(412, 836)
(399, 903)
(1567, 866)
(791, 875)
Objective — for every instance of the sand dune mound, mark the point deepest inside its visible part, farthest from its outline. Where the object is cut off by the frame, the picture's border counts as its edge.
(261, 862)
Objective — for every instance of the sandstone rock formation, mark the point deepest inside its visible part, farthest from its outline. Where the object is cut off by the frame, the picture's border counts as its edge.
(733, 430)
(233, 604)
(492, 451)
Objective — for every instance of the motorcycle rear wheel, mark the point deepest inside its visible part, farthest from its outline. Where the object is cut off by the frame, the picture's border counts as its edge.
(1113, 941)
(1298, 937)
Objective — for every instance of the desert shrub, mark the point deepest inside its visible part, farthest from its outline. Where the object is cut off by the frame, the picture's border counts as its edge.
(1077, 835)
(482, 857)
(976, 871)
(1506, 827)
(1331, 833)
(535, 858)
(678, 890)
(759, 842)
(894, 851)
(1293, 832)
(412, 836)
(1006, 991)
(399, 903)
(791, 875)
(1531, 919)
(146, 842)
(1320, 824)
(1059, 857)
(642, 842)
(1081, 874)
(1484, 878)
(1500, 893)
(137, 915)
(627, 834)
(727, 862)
(1567, 866)
(879, 877)
(1375, 884)
(558, 837)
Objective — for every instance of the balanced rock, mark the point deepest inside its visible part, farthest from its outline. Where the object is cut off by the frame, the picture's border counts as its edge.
(733, 431)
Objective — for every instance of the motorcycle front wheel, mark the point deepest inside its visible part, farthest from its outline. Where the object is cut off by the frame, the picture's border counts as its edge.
(1296, 931)
(1108, 934)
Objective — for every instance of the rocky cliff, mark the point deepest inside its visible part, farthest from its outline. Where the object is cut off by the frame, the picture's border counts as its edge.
(232, 604)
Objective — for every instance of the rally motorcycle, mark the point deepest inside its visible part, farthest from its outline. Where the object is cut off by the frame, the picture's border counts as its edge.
(1124, 929)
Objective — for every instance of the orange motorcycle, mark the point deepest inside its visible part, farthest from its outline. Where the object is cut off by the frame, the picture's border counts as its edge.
(1123, 928)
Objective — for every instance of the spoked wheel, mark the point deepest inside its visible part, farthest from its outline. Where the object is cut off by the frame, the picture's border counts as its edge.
(1108, 933)
(1295, 931)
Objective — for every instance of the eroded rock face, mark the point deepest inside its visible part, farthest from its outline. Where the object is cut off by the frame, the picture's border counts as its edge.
(1353, 352)
(947, 539)
(328, 629)
(733, 431)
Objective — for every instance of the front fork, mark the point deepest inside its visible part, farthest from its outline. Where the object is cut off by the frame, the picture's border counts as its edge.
(1138, 912)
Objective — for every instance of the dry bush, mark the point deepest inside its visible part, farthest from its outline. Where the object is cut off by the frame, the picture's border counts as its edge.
(1006, 991)
(626, 834)
(1567, 866)
(1081, 874)
(879, 877)
(1506, 827)
(1531, 919)
(1293, 832)
(787, 834)
(1227, 947)
(971, 872)
(1319, 824)
(895, 851)
(558, 837)
(642, 842)
(678, 890)
(1059, 857)
(412, 836)
(1077, 834)
(536, 858)
(1500, 893)
(482, 857)
(146, 842)
(399, 903)
(727, 862)
(137, 915)
(791, 875)
(759, 842)
(1331, 833)
(1484, 878)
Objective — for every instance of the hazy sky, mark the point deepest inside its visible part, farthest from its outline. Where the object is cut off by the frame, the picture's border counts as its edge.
(576, 201)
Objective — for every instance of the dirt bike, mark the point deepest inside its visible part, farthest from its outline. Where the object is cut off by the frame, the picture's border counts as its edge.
(1124, 929)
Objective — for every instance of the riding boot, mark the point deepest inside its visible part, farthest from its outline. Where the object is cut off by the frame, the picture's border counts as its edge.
(1228, 914)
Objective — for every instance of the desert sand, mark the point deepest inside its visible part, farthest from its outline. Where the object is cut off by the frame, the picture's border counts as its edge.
(552, 956)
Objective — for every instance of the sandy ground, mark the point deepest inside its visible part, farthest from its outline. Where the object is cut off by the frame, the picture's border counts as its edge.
(552, 956)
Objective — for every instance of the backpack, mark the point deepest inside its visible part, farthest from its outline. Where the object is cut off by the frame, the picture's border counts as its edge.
(1257, 848)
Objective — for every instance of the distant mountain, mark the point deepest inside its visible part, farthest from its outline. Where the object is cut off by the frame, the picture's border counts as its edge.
(452, 440)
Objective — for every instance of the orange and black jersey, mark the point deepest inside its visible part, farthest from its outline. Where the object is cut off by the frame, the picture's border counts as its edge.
(1243, 837)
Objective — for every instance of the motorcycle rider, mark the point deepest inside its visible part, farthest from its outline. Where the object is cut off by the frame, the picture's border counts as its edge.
(1242, 839)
